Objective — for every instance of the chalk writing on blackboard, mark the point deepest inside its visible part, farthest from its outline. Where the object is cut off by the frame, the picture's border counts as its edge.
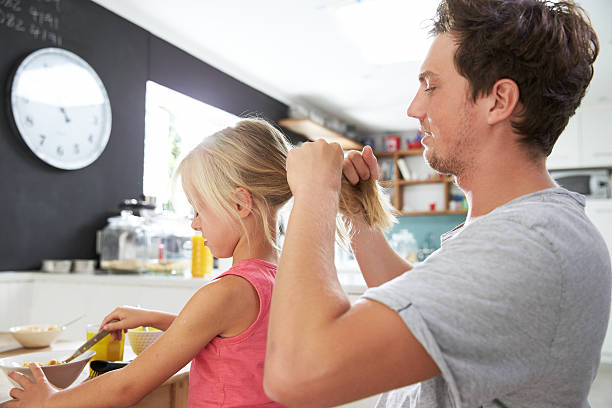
(39, 19)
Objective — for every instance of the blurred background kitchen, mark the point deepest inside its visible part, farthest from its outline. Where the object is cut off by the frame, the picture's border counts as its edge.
(115, 231)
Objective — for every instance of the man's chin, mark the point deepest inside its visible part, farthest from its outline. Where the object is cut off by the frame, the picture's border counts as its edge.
(436, 163)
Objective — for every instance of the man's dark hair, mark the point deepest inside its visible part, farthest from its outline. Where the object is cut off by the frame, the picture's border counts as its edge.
(547, 48)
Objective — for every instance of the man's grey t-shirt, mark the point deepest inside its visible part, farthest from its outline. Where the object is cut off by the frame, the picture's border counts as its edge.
(513, 308)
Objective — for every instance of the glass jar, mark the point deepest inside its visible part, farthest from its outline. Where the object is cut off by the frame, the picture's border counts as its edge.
(168, 244)
(123, 244)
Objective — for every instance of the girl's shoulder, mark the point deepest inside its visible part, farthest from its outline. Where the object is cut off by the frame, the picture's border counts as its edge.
(252, 267)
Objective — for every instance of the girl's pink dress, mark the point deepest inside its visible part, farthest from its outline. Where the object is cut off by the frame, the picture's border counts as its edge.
(228, 372)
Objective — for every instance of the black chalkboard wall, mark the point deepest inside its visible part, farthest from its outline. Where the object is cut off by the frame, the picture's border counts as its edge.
(51, 213)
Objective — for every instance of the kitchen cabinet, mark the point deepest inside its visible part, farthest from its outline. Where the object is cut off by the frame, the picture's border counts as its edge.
(585, 142)
(565, 154)
(43, 297)
(414, 196)
(596, 122)
(173, 393)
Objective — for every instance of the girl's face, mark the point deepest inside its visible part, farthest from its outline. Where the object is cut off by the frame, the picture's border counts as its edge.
(220, 231)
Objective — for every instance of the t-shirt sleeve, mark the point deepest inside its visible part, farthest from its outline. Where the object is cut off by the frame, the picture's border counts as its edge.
(485, 306)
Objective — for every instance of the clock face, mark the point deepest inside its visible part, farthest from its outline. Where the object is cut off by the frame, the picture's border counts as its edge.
(60, 108)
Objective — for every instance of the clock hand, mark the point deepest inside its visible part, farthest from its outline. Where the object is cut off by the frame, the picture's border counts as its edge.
(66, 118)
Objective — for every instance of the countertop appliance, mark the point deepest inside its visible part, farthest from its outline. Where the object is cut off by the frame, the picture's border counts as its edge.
(590, 183)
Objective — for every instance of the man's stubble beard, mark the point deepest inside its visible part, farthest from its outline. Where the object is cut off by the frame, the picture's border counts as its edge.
(457, 159)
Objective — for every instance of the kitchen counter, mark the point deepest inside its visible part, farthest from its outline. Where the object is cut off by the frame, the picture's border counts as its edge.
(172, 393)
(38, 297)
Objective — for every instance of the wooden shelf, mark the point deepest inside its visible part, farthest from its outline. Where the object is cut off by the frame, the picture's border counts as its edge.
(313, 131)
(398, 184)
(399, 153)
(429, 181)
(402, 182)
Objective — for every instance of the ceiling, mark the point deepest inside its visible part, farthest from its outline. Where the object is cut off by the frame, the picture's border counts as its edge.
(297, 51)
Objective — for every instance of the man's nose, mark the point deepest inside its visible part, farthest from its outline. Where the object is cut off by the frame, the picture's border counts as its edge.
(416, 109)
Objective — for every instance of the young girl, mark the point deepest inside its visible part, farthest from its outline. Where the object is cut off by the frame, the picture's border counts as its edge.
(236, 182)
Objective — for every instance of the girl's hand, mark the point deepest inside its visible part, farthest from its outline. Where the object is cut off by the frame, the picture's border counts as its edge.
(314, 167)
(34, 394)
(360, 166)
(128, 318)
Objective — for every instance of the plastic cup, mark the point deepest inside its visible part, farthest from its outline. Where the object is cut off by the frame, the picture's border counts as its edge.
(107, 348)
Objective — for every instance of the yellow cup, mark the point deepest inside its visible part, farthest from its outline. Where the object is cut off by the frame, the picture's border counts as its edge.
(107, 348)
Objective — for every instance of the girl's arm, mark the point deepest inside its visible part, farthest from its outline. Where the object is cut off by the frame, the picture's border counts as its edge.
(129, 317)
(226, 306)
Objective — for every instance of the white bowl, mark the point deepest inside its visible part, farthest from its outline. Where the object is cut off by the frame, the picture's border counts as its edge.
(140, 340)
(61, 375)
(36, 335)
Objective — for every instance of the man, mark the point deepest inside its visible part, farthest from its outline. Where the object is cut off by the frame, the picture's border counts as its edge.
(512, 309)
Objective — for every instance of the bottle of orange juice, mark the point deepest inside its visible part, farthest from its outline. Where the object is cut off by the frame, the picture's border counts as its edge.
(201, 257)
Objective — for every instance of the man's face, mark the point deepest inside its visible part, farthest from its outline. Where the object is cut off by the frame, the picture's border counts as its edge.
(449, 120)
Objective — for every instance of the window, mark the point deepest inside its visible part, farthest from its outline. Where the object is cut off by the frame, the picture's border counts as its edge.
(174, 124)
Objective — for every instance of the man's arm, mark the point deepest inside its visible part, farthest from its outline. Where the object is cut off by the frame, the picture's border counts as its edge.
(322, 351)
(378, 262)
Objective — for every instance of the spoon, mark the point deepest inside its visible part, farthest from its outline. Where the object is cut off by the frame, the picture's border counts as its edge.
(73, 321)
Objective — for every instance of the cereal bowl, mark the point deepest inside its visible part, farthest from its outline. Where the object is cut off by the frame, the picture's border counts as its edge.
(36, 335)
(141, 339)
(60, 375)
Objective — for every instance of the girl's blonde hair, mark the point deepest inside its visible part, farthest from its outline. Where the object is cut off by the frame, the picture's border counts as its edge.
(252, 155)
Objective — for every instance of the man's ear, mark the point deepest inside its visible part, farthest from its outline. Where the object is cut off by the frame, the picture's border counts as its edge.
(244, 202)
(504, 100)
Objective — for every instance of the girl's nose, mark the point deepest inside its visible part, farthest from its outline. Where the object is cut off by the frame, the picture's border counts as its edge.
(195, 224)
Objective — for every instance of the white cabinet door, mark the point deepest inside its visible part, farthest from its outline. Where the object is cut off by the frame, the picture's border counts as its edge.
(15, 303)
(600, 213)
(57, 302)
(566, 152)
(596, 125)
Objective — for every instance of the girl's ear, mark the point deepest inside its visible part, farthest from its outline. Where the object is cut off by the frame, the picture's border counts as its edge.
(244, 202)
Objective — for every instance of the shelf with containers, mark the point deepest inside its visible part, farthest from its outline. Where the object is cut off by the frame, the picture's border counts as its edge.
(417, 189)
(313, 131)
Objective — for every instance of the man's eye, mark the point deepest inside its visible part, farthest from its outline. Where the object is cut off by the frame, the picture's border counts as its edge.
(430, 89)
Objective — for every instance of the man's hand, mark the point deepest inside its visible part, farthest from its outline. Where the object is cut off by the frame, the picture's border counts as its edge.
(360, 166)
(315, 167)
(34, 394)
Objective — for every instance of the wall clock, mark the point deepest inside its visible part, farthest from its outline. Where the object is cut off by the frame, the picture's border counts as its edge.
(60, 108)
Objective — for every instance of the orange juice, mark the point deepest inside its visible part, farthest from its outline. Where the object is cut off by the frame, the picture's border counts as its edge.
(201, 257)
